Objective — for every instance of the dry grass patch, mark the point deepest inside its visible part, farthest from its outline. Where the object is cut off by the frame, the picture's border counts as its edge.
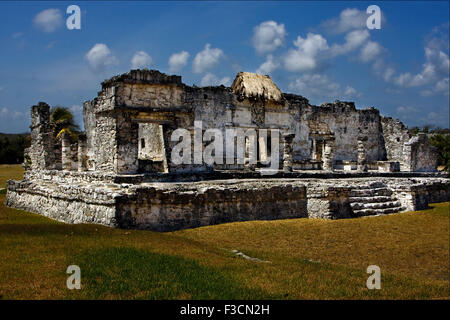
(309, 259)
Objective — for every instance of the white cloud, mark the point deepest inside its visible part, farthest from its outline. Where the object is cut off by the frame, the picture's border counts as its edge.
(436, 67)
(49, 20)
(350, 92)
(210, 79)
(370, 51)
(141, 59)
(3, 112)
(177, 61)
(438, 119)
(387, 74)
(353, 40)
(406, 110)
(207, 59)
(313, 50)
(321, 87)
(441, 86)
(316, 86)
(100, 57)
(349, 19)
(268, 66)
(268, 36)
(305, 57)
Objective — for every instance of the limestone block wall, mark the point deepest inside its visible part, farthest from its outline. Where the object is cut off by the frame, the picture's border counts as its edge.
(112, 132)
(201, 204)
(348, 124)
(395, 135)
(66, 203)
(341, 118)
(104, 146)
(42, 142)
(419, 155)
(327, 201)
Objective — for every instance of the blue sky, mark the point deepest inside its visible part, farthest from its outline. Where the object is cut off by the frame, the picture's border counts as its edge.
(321, 50)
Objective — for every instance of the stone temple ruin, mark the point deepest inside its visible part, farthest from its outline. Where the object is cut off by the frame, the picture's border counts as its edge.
(335, 161)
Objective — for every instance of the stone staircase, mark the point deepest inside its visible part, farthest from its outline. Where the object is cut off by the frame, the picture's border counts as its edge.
(373, 199)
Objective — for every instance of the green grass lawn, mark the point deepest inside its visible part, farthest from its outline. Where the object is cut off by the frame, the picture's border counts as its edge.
(309, 259)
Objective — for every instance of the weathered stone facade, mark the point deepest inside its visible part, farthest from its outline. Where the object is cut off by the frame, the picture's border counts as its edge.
(335, 161)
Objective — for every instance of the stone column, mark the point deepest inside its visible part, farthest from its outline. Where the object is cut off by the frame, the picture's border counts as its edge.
(251, 156)
(362, 156)
(41, 152)
(328, 155)
(66, 154)
(288, 152)
(82, 149)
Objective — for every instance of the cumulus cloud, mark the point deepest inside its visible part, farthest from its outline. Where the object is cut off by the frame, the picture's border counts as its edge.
(210, 79)
(349, 19)
(320, 87)
(268, 66)
(268, 36)
(100, 57)
(405, 110)
(207, 59)
(141, 59)
(388, 73)
(49, 20)
(315, 86)
(306, 56)
(438, 119)
(177, 61)
(353, 40)
(436, 64)
(442, 86)
(370, 51)
(350, 92)
(313, 51)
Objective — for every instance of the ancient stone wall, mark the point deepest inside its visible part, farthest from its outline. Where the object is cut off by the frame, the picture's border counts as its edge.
(162, 209)
(419, 155)
(105, 146)
(147, 96)
(42, 142)
(395, 135)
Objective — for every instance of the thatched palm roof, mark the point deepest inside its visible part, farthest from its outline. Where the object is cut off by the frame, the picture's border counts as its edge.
(256, 86)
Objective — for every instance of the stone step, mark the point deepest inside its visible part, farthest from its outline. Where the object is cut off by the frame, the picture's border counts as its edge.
(372, 212)
(375, 205)
(370, 192)
(373, 185)
(370, 199)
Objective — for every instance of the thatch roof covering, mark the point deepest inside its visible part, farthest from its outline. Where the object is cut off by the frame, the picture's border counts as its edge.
(256, 86)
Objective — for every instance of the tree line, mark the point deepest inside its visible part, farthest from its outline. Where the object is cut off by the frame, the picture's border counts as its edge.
(12, 146)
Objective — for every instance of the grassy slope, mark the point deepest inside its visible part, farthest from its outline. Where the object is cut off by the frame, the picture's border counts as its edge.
(309, 259)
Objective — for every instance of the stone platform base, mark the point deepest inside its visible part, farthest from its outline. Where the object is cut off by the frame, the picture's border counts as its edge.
(167, 206)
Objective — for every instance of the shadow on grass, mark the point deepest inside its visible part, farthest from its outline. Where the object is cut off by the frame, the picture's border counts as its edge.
(128, 273)
(41, 229)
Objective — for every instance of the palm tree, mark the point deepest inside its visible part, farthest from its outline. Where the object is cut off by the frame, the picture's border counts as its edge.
(62, 121)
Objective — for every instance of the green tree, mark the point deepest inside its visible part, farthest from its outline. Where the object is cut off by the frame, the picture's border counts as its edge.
(62, 120)
(442, 143)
